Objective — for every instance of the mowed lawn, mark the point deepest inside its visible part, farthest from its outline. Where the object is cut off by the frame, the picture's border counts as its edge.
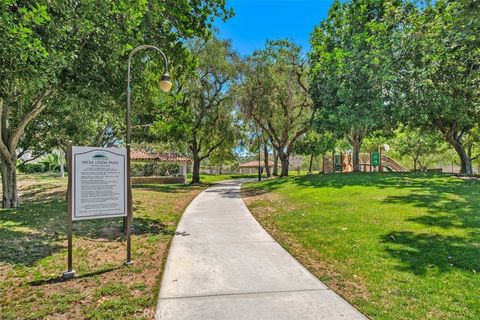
(33, 254)
(397, 246)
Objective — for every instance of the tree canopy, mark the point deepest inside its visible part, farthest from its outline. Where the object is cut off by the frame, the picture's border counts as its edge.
(351, 68)
(439, 74)
(51, 52)
(202, 113)
(274, 94)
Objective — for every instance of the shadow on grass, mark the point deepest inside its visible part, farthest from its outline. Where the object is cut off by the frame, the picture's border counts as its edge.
(41, 192)
(54, 280)
(171, 188)
(448, 202)
(377, 180)
(37, 230)
(450, 206)
(418, 252)
(19, 247)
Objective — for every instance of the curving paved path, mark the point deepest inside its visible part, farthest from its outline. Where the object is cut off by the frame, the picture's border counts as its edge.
(223, 265)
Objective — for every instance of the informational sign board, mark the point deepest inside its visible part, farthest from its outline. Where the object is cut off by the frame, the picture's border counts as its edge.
(375, 158)
(99, 186)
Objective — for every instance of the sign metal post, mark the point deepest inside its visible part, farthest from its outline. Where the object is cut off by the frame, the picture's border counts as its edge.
(98, 187)
(129, 211)
(70, 272)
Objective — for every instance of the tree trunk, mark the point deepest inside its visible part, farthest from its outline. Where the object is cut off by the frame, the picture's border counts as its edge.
(275, 163)
(196, 169)
(310, 165)
(355, 138)
(61, 160)
(466, 162)
(9, 183)
(9, 139)
(265, 159)
(414, 164)
(284, 162)
(421, 166)
(356, 155)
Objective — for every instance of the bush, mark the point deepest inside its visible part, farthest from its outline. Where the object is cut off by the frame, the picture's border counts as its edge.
(141, 169)
(32, 168)
(51, 162)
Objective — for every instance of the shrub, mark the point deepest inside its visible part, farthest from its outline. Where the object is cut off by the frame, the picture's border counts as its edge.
(32, 168)
(141, 169)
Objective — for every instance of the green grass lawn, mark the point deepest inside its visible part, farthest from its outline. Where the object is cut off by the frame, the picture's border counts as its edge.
(212, 178)
(33, 254)
(397, 246)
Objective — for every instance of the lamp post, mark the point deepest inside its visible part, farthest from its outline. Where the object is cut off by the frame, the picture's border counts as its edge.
(259, 157)
(165, 86)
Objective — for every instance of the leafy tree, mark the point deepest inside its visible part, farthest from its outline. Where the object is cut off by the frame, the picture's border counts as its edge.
(351, 64)
(73, 119)
(418, 144)
(50, 50)
(439, 73)
(202, 112)
(222, 157)
(257, 142)
(314, 144)
(275, 96)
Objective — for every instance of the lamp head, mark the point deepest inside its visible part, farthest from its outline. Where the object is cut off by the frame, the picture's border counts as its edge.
(165, 83)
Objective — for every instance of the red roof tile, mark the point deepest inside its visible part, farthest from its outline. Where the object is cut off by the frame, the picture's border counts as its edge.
(141, 155)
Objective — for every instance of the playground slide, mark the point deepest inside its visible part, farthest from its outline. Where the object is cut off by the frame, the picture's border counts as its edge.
(387, 163)
(393, 165)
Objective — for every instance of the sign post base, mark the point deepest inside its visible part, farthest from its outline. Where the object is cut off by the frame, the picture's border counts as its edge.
(68, 274)
(127, 263)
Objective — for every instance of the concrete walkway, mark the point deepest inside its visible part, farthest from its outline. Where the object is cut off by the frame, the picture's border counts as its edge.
(223, 265)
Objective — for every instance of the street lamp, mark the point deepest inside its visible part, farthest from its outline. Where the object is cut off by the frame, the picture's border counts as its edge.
(165, 83)
(165, 86)
(259, 157)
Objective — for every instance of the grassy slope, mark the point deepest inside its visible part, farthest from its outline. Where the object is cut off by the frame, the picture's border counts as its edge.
(33, 255)
(397, 246)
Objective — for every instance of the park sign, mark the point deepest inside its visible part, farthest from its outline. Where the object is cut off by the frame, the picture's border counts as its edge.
(99, 188)
(98, 185)
(375, 158)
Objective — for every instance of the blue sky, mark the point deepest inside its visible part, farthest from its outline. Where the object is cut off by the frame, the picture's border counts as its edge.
(258, 20)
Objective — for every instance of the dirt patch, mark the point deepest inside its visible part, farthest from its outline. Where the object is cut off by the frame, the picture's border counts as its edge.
(40, 190)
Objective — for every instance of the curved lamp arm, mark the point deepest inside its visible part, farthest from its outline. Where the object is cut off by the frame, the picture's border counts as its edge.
(165, 78)
(143, 47)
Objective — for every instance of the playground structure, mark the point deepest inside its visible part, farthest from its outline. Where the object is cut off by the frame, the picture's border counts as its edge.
(369, 162)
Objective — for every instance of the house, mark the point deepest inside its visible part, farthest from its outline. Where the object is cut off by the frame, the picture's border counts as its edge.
(151, 167)
(252, 166)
